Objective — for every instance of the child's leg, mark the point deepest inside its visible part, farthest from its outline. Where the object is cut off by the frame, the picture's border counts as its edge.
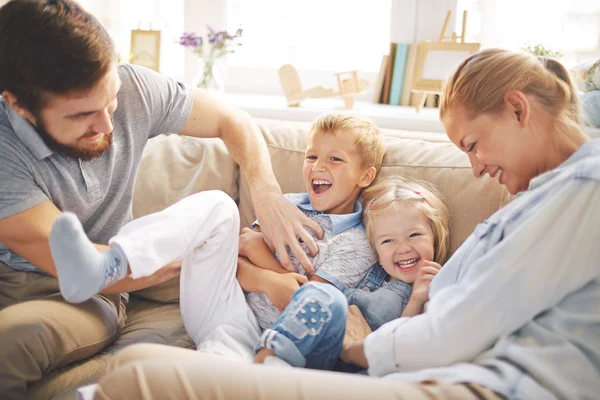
(203, 229)
(145, 245)
(310, 331)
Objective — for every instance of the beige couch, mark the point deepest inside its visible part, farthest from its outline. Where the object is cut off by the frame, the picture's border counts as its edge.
(174, 167)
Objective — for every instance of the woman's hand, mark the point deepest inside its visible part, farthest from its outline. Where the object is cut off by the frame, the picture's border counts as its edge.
(357, 329)
(281, 287)
(282, 225)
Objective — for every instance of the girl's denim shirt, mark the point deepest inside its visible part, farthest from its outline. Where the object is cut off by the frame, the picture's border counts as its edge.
(379, 301)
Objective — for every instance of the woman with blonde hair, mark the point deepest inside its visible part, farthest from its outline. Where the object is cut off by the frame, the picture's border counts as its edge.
(514, 313)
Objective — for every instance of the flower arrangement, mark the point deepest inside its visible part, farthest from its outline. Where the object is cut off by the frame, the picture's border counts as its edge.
(214, 46)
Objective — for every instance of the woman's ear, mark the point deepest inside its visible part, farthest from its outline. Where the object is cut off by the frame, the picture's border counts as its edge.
(368, 177)
(517, 104)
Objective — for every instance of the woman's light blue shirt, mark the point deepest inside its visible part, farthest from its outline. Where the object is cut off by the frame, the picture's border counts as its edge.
(517, 307)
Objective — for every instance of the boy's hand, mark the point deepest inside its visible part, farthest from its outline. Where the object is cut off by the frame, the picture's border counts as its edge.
(281, 288)
(247, 237)
(420, 290)
(283, 224)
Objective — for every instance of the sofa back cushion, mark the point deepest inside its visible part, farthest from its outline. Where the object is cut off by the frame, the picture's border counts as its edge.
(174, 167)
(422, 156)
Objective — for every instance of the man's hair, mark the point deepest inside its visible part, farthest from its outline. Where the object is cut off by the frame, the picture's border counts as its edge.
(51, 47)
(369, 140)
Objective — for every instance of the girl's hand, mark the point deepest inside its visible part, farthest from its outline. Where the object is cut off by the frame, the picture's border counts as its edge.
(420, 290)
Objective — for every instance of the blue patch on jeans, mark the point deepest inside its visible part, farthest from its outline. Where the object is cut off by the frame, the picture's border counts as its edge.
(309, 317)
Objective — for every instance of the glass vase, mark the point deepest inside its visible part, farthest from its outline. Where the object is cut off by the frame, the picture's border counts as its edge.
(210, 76)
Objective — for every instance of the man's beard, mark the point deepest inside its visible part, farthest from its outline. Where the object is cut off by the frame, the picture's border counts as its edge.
(101, 145)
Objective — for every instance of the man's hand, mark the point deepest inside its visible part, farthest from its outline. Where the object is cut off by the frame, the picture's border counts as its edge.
(166, 273)
(281, 288)
(357, 329)
(127, 284)
(283, 225)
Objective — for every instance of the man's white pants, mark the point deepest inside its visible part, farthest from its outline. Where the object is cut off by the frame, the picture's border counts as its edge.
(203, 230)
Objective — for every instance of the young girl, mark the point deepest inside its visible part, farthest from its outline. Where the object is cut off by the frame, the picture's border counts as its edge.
(407, 226)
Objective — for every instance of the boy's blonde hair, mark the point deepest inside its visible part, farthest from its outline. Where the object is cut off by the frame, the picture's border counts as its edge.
(481, 81)
(387, 194)
(369, 140)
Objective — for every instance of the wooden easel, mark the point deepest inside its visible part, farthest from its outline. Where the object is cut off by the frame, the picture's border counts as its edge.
(454, 38)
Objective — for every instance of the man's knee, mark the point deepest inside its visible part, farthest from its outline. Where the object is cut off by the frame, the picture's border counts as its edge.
(24, 352)
(41, 335)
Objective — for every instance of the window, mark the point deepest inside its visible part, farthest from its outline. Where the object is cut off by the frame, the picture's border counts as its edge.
(318, 35)
(572, 27)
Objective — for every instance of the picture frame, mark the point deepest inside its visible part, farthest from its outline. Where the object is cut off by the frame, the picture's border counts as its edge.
(145, 48)
(436, 61)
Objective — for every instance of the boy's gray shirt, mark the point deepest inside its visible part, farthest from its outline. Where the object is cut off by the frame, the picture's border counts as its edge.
(98, 191)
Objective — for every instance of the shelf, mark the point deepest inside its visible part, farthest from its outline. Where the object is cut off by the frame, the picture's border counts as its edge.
(385, 116)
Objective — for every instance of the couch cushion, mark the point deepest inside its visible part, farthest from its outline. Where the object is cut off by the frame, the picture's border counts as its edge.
(174, 167)
(426, 156)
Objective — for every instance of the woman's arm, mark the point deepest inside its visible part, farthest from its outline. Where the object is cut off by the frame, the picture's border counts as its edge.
(551, 255)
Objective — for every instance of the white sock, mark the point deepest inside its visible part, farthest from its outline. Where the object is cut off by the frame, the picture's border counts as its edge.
(82, 270)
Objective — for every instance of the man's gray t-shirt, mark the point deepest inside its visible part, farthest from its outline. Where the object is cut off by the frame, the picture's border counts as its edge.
(98, 191)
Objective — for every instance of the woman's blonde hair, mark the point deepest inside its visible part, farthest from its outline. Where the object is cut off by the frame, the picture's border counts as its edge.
(387, 194)
(369, 142)
(480, 82)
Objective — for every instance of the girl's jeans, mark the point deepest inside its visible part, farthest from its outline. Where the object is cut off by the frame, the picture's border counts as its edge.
(310, 331)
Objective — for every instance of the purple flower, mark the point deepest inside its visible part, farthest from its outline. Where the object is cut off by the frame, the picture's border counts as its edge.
(189, 39)
(216, 44)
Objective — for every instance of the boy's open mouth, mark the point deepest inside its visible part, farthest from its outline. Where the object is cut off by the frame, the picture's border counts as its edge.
(320, 185)
(406, 264)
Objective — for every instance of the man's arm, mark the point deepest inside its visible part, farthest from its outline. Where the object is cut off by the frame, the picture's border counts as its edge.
(26, 233)
(281, 222)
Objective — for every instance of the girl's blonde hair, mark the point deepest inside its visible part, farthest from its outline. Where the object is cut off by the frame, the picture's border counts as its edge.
(369, 142)
(480, 82)
(387, 194)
